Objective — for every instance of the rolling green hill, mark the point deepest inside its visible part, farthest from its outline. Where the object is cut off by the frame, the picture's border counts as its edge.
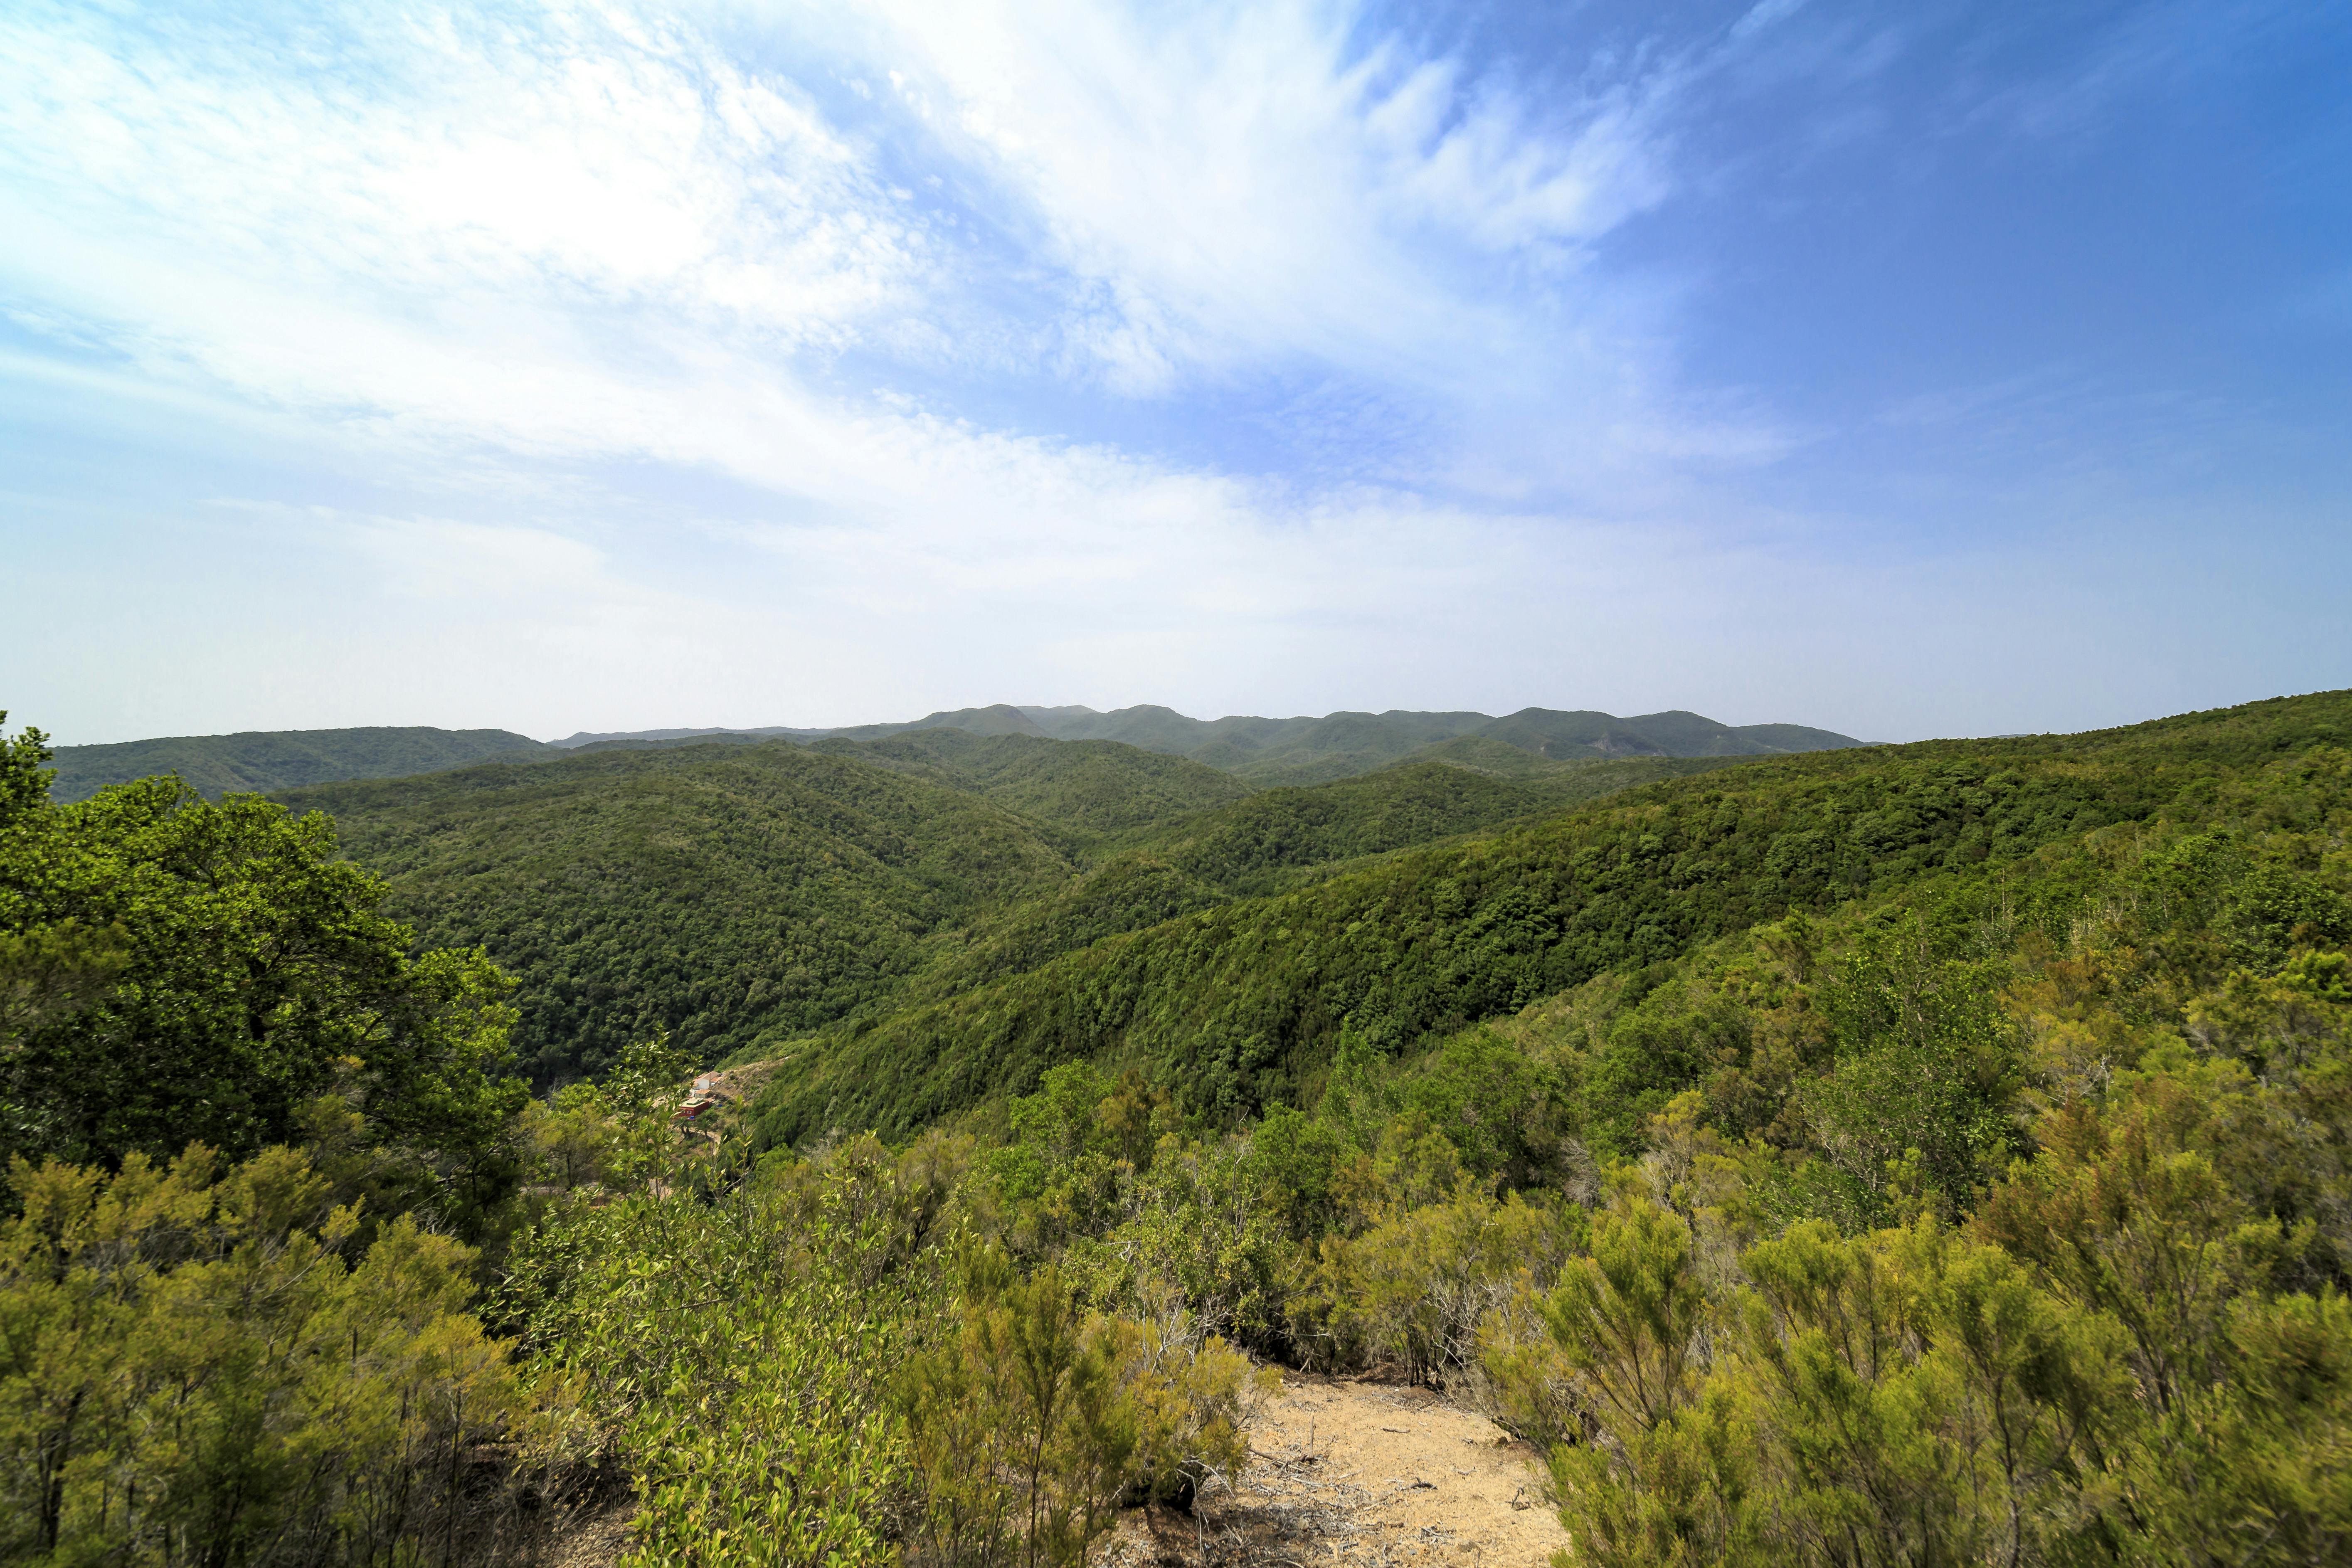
(1940, 1093)
(731, 892)
(1002, 719)
(710, 890)
(1241, 1006)
(1082, 789)
(1261, 751)
(1485, 755)
(1336, 745)
(1283, 839)
(1259, 844)
(1556, 736)
(266, 760)
(1341, 745)
(722, 889)
(1310, 750)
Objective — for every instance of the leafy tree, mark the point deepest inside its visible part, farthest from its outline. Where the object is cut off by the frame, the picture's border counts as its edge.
(733, 1357)
(25, 773)
(2254, 1467)
(178, 970)
(1032, 1419)
(199, 1366)
(1927, 1070)
(2124, 1212)
(50, 971)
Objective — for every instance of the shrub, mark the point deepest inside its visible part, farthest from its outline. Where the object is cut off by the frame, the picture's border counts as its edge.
(1034, 1418)
(192, 1370)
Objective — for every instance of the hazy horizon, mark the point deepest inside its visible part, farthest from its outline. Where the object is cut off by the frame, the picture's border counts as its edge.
(625, 732)
(1945, 370)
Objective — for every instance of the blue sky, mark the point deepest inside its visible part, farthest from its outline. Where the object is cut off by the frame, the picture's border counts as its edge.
(1909, 370)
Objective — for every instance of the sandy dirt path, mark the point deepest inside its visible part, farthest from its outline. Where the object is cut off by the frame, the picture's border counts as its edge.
(1357, 1475)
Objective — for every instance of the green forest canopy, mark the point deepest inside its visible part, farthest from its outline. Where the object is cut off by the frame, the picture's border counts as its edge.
(1242, 1007)
(262, 761)
(1267, 751)
(724, 891)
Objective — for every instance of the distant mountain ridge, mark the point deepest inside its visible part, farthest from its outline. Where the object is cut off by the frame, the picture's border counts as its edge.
(1263, 752)
(264, 760)
(999, 718)
(1309, 749)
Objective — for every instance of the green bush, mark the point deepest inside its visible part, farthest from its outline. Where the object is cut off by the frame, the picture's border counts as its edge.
(195, 1368)
(1034, 1418)
(1409, 1296)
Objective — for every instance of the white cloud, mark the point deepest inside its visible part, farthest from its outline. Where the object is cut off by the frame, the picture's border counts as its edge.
(445, 559)
(480, 260)
(596, 234)
(1245, 183)
(615, 161)
(1229, 192)
(607, 365)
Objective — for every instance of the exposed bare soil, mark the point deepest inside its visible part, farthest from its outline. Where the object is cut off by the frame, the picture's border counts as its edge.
(1361, 1475)
(593, 1538)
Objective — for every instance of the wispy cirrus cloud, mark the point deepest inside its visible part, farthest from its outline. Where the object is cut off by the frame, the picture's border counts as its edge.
(529, 227)
(617, 159)
(1234, 186)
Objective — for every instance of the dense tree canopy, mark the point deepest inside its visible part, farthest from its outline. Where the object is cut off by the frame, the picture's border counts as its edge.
(729, 891)
(1241, 1006)
(178, 970)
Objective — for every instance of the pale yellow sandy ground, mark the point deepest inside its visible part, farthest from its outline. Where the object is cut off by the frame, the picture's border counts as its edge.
(1357, 1475)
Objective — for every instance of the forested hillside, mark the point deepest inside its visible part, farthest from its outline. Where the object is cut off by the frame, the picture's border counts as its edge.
(1336, 745)
(1242, 1007)
(1309, 750)
(708, 889)
(1279, 838)
(1266, 751)
(731, 892)
(1001, 719)
(1085, 790)
(262, 761)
